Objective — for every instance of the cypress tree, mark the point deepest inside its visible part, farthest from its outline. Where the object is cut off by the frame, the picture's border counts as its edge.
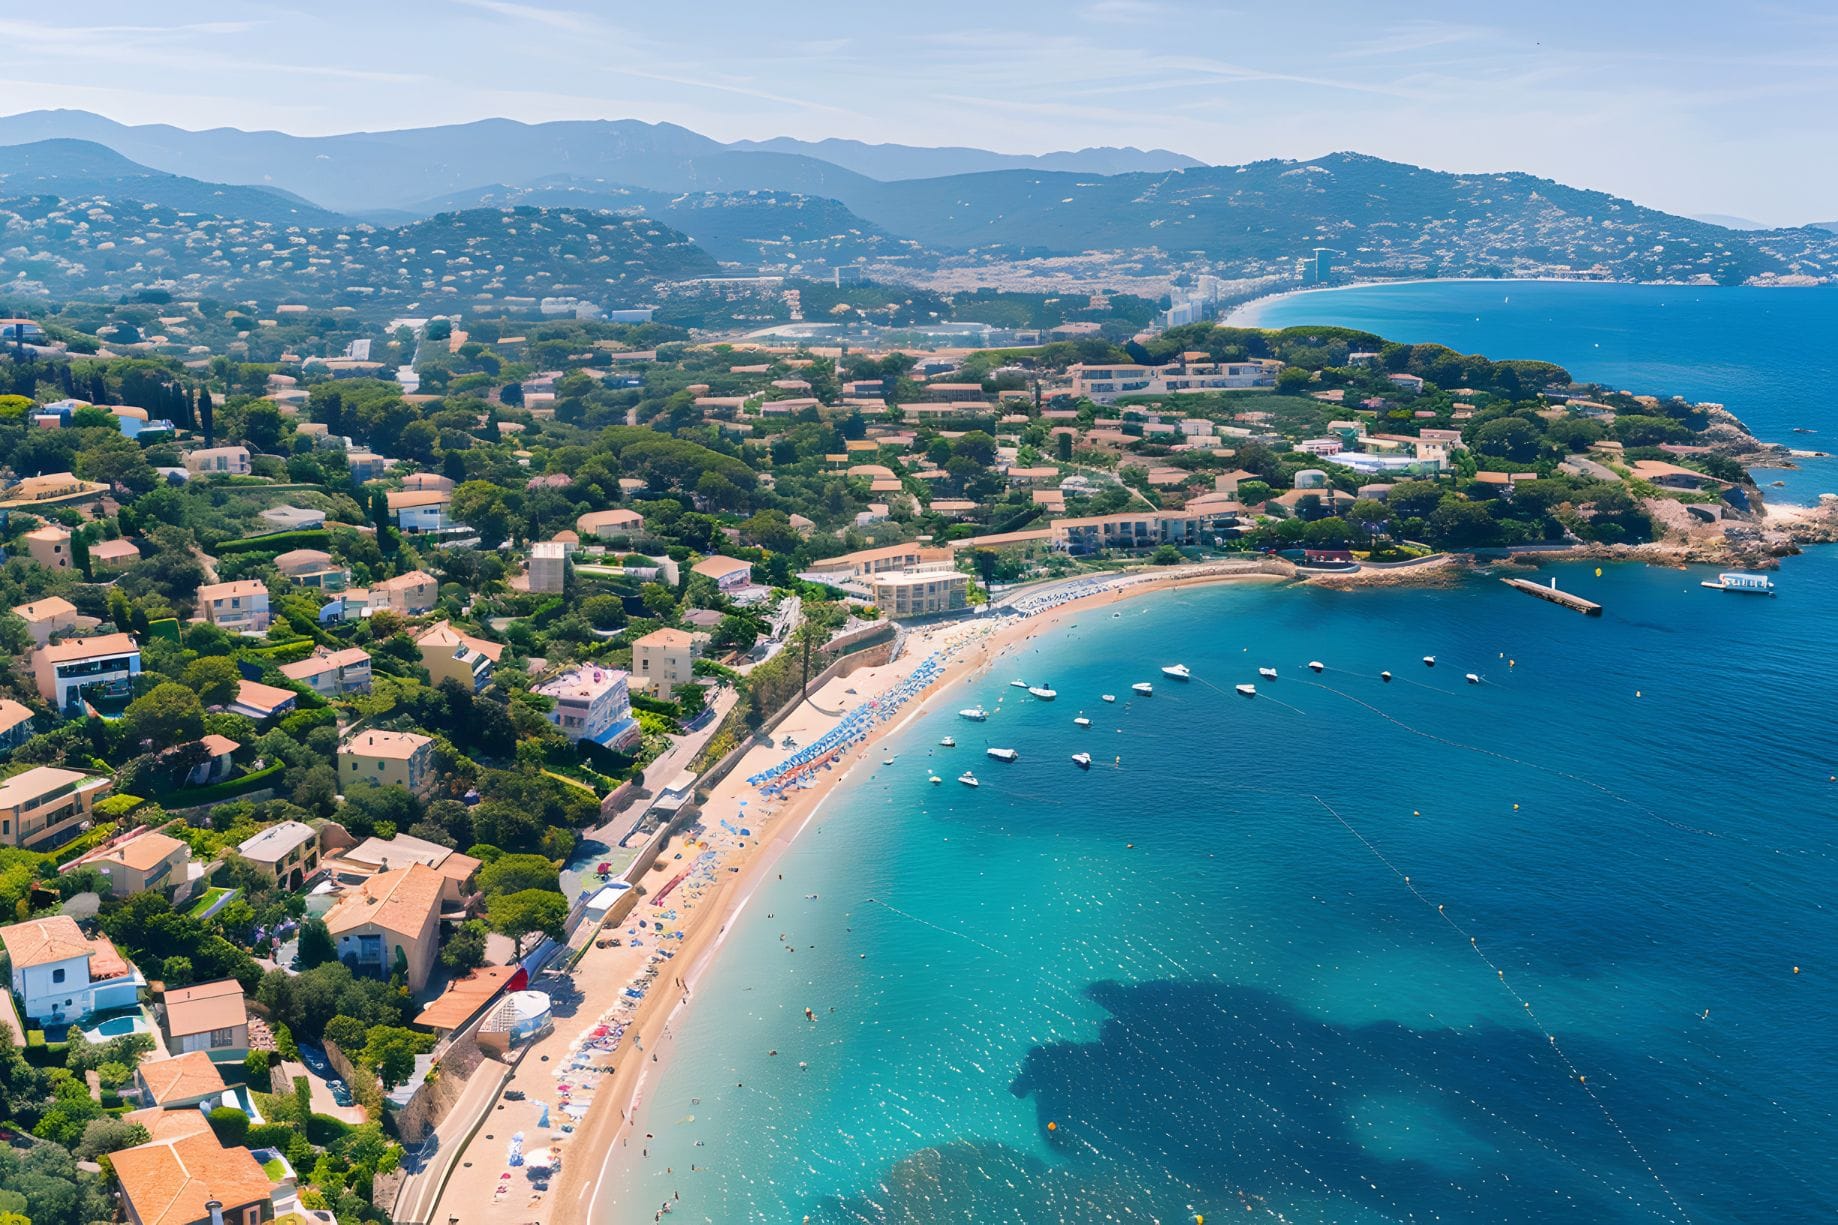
(204, 416)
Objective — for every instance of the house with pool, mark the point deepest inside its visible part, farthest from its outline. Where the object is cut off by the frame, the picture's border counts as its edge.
(60, 975)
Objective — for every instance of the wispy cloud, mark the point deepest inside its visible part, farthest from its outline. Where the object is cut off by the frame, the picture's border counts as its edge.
(535, 14)
(1123, 12)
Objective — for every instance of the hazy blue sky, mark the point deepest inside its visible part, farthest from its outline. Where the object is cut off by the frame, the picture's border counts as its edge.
(1683, 104)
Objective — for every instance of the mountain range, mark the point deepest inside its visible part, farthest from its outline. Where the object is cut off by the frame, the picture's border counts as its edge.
(803, 207)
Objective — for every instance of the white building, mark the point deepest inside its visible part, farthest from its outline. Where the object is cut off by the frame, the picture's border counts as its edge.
(1103, 384)
(548, 566)
(592, 703)
(237, 608)
(61, 975)
(68, 672)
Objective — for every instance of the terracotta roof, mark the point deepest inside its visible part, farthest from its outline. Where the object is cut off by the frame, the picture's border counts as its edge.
(29, 785)
(322, 661)
(207, 1006)
(442, 634)
(718, 565)
(414, 578)
(212, 592)
(181, 1078)
(163, 1124)
(405, 499)
(143, 853)
(108, 550)
(465, 996)
(397, 745)
(12, 714)
(42, 941)
(665, 637)
(397, 901)
(46, 609)
(171, 1181)
(258, 696)
(217, 745)
(90, 648)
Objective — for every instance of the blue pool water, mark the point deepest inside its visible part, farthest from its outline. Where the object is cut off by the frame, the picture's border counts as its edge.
(1516, 951)
(1765, 353)
(118, 1027)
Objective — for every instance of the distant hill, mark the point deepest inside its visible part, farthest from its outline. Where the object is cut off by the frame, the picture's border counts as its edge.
(91, 245)
(1832, 226)
(1730, 223)
(770, 230)
(787, 205)
(83, 168)
(894, 162)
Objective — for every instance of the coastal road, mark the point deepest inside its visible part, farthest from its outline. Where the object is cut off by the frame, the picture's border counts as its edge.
(421, 1189)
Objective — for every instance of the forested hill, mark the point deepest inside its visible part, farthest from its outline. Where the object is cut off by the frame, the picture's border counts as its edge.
(57, 246)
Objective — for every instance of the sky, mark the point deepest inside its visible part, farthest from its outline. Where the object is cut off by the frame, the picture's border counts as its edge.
(1686, 105)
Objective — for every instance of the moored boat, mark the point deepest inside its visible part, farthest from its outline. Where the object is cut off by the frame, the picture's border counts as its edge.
(1045, 693)
(1268, 674)
(1110, 697)
(949, 742)
(1179, 672)
(1746, 584)
(1144, 688)
(967, 779)
(1008, 755)
(1473, 679)
(1017, 683)
(976, 714)
(1429, 661)
(1082, 721)
(934, 780)
(1315, 665)
(1249, 691)
(1386, 677)
(1082, 760)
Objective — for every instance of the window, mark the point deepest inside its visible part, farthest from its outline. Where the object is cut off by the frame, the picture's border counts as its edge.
(220, 1037)
(57, 976)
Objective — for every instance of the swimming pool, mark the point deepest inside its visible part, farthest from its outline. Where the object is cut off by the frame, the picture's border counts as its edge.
(117, 1027)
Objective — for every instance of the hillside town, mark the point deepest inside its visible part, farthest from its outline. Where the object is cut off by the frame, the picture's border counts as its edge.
(349, 699)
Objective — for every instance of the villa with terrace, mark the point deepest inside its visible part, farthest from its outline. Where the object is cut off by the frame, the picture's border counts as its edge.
(60, 975)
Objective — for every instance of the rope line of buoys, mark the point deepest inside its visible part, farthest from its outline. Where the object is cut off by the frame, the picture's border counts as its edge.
(935, 926)
(1531, 1014)
(1518, 761)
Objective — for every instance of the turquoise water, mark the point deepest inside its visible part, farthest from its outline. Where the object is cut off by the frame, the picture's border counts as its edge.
(117, 1027)
(1765, 353)
(1250, 1013)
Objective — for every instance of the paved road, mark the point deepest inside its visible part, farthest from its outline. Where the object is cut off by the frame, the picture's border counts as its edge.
(428, 1168)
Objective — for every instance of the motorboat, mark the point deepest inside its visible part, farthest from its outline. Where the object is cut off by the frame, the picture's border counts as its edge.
(1473, 679)
(1110, 697)
(1081, 721)
(976, 714)
(1179, 672)
(1248, 690)
(934, 780)
(949, 742)
(1315, 665)
(1386, 677)
(1082, 760)
(1017, 683)
(1144, 688)
(1268, 674)
(887, 761)
(1429, 661)
(1748, 584)
(1043, 692)
(1008, 755)
(968, 779)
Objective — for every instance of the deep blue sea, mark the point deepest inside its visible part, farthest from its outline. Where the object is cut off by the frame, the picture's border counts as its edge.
(1765, 353)
(1348, 951)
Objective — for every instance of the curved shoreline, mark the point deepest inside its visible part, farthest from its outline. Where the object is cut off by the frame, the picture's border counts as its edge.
(1245, 313)
(595, 1140)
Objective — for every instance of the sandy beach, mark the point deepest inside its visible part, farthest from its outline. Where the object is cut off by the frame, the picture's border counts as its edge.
(591, 1071)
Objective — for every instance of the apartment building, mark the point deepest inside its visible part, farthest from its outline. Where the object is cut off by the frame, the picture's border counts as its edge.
(46, 806)
(219, 461)
(592, 703)
(237, 608)
(665, 658)
(100, 669)
(387, 759)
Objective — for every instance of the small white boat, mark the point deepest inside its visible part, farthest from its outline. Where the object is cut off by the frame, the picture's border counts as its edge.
(1268, 674)
(1315, 665)
(1008, 755)
(1429, 661)
(887, 761)
(1179, 672)
(976, 714)
(1043, 692)
(1473, 679)
(1386, 677)
(949, 742)
(1250, 691)
(1748, 584)
(1017, 684)
(1082, 721)
(967, 779)
(1082, 760)
(1110, 697)
(1144, 688)
(934, 780)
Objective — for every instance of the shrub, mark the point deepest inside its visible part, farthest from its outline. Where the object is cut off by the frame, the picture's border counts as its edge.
(230, 1124)
(324, 1130)
(271, 1135)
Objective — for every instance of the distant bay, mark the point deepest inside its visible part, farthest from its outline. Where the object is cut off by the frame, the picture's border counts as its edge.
(1766, 354)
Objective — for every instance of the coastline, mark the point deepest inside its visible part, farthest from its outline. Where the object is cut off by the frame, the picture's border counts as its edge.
(588, 1152)
(1245, 313)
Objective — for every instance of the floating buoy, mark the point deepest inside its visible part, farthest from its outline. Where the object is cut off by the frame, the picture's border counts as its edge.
(1796, 969)
(1636, 693)
(1580, 1078)
(1052, 1126)
(1415, 813)
(1512, 663)
(1515, 808)
(1598, 572)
